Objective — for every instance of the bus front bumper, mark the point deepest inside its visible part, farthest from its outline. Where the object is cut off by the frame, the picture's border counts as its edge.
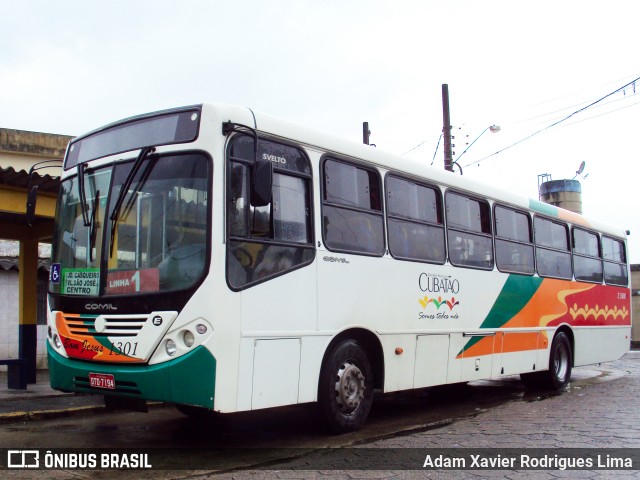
(189, 379)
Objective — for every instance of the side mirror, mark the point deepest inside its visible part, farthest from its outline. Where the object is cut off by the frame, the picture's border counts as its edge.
(31, 204)
(261, 183)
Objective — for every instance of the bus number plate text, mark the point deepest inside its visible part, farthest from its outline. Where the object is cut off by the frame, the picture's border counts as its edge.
(102, 380)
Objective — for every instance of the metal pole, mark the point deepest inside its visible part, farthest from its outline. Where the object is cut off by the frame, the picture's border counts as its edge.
(446, 129)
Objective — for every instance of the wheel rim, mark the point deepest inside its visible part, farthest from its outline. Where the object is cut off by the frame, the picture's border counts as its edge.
(561, 362)
(349, 388)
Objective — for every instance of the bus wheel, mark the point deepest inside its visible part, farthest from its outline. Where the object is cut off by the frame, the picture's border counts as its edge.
(559, 373)
(560, 361)
(345, 392)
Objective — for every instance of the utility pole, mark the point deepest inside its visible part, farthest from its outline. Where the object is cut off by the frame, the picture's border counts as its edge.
(446, 129)
(365, 133)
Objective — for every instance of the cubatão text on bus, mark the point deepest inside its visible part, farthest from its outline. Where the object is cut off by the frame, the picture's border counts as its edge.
(438, 284)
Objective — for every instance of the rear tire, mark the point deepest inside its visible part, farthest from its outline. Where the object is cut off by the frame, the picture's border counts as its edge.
(345, 391)
(560, 363)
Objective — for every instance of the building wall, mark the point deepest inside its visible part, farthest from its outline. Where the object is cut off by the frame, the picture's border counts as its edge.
(9, 290)
(20, 149)
(9, 322)
(9, 298)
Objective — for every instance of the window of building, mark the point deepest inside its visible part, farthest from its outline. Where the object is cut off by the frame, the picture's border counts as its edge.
(414, 220)
(469, 231)
(615, 262)
(267, 241)
(352, 217)
(514, 241)
(553, 257)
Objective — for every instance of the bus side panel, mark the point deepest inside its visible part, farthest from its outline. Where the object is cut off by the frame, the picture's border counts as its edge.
(519, 352)
(282, 305)
(600, 344)
(432, 358)
(399, 368)
(411, 299)
(276, 316)
(276, 372)
(258, 370)
(313, 349)
(354, 291)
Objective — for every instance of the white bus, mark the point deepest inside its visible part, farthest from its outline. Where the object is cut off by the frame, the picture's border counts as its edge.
(222, 259)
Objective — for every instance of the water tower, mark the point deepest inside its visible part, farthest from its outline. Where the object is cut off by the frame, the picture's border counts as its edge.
(565, 194)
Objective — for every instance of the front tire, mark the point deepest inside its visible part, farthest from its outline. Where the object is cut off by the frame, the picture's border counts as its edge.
(345, 391)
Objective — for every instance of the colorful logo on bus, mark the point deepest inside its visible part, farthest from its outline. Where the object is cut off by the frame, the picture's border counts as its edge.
(438, 302)
(440, 290)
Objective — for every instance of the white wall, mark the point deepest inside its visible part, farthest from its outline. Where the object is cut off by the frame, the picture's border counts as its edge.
(9, 294)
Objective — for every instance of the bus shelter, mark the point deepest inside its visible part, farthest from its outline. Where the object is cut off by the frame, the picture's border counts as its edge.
(19, 152)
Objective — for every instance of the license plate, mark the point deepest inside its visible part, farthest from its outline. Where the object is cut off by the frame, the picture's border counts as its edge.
(102, 380)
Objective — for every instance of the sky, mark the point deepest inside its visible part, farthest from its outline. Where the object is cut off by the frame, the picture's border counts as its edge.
(68, 67)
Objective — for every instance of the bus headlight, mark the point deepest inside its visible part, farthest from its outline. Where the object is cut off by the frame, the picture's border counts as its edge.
(188, 338)
(201, 329)
(183, 339)
(56, 340)
(170, 347)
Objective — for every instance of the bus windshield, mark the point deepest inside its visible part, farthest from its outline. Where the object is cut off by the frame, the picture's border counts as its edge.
(157, 242)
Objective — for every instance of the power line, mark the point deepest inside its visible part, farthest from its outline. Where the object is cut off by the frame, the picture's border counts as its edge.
(436, 151)
(603, 113)
(605, 104)
(555, 123)
(412, 149)
(572, 95)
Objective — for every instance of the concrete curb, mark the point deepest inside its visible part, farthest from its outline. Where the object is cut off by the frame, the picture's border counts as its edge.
(36, 415)
(21, 416)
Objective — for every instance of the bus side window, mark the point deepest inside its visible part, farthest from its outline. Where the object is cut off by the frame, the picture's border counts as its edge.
(553, 257)
(414, 220)
(587, 264)
(267, 241)
(469, 231)
(352, 209)
(514, 241)
(615, 262)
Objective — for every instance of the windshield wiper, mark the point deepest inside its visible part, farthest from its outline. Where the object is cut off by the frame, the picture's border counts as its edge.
(115, 213)
(89, 220)
(83, 196)
(94, 223)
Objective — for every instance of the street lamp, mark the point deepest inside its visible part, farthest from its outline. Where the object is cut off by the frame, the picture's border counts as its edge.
(491, 128)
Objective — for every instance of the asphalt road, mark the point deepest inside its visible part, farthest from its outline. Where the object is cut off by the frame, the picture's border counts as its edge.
(598, 410)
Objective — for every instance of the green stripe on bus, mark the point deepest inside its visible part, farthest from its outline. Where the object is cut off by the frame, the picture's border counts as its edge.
(542, 207)
(515, 294)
